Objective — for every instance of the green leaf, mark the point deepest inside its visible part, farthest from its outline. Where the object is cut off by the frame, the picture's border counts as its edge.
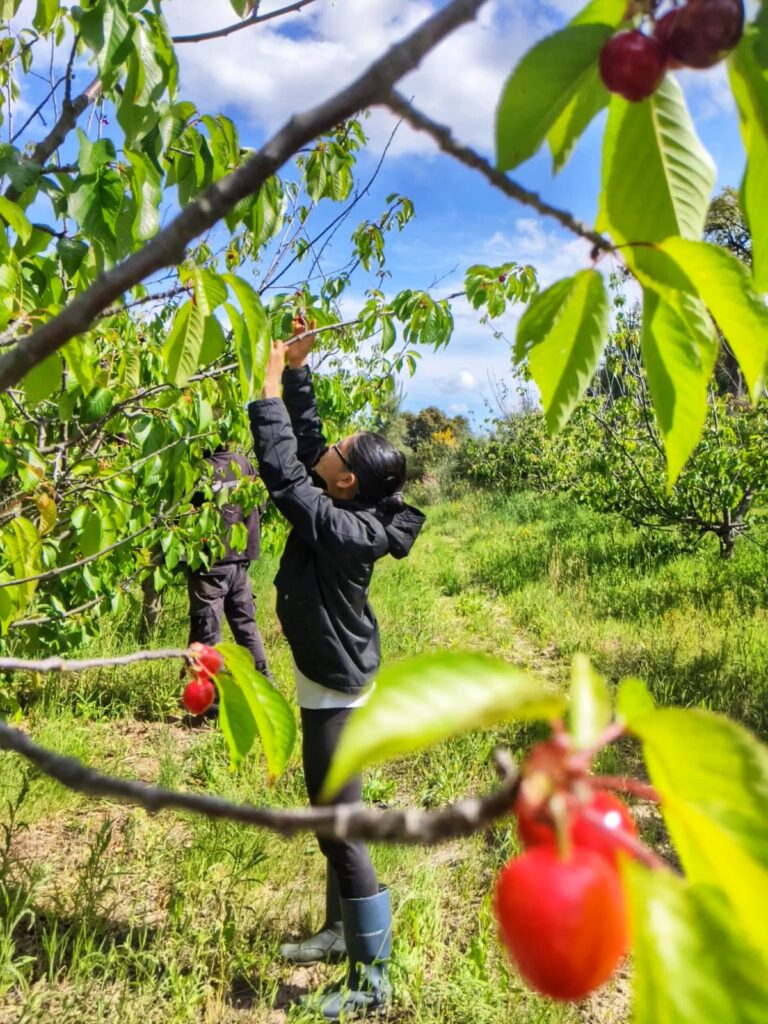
(657, 176)
(249, 702)
(562, 334)
(45, 15)
(679, 346)
(589, 100)
(724, 284)
(44, 379)
(214, 342)
(749, 81)
(590, 706)
(71, 252)
(15, 218)
(690, 962)
(633, 700)
(542, 86)
(425, 700)
(183, 345)
(21, 546)
(712, 777)
(107, 30)
(267, 212)
(145, 185)
(252, 343)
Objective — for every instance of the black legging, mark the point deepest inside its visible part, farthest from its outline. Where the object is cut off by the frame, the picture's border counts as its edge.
(349, 858)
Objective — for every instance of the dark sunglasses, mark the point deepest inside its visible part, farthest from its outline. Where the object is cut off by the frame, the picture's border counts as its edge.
(338, 452)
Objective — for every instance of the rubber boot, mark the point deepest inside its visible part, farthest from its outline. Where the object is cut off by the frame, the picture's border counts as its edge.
(327, 945)
(366, 990)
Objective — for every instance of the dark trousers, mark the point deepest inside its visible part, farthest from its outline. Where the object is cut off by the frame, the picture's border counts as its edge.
(225, 590)
(349, 858)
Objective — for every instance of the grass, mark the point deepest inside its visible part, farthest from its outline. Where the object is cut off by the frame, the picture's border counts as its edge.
(109, 914)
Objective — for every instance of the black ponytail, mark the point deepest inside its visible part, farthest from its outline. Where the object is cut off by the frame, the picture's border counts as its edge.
(379, 468)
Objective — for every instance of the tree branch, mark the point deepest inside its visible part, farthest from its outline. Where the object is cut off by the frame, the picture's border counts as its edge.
(169, 246)
(444, 138)
(257, 19)
(66, 122)
(61, 570)
(73, 665)
(347, 821)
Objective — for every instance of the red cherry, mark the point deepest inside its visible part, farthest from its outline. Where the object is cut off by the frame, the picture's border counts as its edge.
(633, 65)
(198, 695)
(207, 657)
(534, 830)
(564, 922)
(662, 30)
(704, 31)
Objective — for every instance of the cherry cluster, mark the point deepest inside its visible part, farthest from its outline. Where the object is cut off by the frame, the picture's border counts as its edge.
(200, 693)
(697, 34)
(560, 904)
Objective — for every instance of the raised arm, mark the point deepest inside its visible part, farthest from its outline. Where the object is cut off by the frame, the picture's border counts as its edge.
(299, 397)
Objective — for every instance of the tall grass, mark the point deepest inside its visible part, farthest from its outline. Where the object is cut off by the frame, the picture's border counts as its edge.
(109, 914)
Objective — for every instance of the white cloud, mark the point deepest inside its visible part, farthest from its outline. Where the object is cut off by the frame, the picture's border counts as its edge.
(270, 71)
(463, 381)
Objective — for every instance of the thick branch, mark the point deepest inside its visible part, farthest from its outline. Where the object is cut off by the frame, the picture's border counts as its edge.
(70, 112)
(168, 247)
(218, 33)
(348, 821)
(445, 140)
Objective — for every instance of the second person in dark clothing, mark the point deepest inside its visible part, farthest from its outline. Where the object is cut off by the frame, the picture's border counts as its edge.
(224, 589)
(346, 511)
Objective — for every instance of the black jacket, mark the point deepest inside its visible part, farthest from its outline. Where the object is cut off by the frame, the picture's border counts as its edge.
(325, 571)
(224, 477)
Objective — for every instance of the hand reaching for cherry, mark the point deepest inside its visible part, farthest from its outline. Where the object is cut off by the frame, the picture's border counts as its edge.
(296, 352)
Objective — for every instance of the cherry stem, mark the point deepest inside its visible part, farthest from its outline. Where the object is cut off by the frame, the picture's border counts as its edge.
(624, 784)
(638, 850)
(584, 758)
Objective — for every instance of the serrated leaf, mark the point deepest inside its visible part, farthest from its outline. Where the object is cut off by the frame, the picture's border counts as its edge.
(679, 346)
(590, 98)
(541, 87)
(590, 706)
(249, 703)
(562, 334)
(712, 777)
(252, 344)
(21, 547)
(15, 218)
(181, 351)
(749, 81)
(657, 177)
(71, 252)
(425, 700)
(267, 211)
(214, 342)
(690, 962)
(724, 285)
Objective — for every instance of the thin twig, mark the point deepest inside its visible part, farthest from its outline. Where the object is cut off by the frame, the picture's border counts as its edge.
(63, 569)
(343, 821)
(443, 136)
(218, 33)
(74, 665)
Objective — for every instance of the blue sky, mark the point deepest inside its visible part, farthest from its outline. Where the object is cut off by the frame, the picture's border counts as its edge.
(259, 76)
